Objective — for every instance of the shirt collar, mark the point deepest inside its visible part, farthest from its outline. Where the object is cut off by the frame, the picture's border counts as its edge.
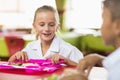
(36, 44)
(112, 59)
(55, 45)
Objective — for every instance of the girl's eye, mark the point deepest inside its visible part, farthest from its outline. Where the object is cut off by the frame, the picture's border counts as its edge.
(52, 24)
(41, 24)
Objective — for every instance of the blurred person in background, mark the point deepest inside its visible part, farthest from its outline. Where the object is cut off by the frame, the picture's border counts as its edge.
(111, 35)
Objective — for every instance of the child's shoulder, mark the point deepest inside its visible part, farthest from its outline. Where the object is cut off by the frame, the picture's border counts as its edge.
(65, 44)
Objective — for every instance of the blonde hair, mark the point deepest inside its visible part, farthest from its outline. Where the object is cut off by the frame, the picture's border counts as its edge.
(47, 8)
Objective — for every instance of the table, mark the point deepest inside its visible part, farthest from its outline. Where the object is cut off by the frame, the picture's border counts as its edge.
(22, 75)
(97, 73)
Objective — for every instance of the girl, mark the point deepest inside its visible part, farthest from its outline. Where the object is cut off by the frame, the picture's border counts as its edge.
(48, 44)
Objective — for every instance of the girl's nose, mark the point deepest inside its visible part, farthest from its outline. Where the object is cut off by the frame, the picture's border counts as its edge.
(46, 27)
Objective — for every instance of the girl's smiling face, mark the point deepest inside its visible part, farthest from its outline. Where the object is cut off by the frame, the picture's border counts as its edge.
(45, 25)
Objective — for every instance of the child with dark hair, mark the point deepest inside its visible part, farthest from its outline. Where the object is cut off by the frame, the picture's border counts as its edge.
(111, 36)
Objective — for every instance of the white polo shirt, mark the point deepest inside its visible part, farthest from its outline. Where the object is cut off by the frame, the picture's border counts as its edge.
(58, 46)
(112, 64)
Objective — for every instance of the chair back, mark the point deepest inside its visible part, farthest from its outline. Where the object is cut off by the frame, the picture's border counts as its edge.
(14, 44)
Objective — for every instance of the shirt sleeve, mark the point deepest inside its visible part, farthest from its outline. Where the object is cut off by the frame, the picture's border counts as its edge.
(114, 73)
(76, 55)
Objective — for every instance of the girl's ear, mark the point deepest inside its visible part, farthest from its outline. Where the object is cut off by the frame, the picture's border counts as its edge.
(58, 27)
(33, 25)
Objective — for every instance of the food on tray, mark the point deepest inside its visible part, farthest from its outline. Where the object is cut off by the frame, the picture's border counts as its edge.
(30, 64)
(15, 63)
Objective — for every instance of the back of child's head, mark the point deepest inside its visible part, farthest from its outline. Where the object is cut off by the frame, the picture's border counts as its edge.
(47, 8)
(114, 8)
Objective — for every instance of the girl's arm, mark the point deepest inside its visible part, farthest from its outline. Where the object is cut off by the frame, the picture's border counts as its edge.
(70, 62)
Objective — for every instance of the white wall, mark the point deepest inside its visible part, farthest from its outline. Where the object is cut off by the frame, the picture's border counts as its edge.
(84, 14)
(23, 16)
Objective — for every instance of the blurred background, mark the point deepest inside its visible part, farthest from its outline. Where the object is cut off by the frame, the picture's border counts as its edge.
(80, 24)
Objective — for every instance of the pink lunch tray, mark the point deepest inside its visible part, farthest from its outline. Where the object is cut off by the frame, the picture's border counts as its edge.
(42, 65)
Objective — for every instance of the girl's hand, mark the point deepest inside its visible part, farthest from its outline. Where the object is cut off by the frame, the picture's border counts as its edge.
(22, 56)
(55, 58)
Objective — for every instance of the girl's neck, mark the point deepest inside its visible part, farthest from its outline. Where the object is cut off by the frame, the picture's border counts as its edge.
(45, 46)
(46, 43)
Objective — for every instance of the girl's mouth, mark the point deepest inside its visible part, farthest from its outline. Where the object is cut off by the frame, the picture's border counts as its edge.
(46, 34)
